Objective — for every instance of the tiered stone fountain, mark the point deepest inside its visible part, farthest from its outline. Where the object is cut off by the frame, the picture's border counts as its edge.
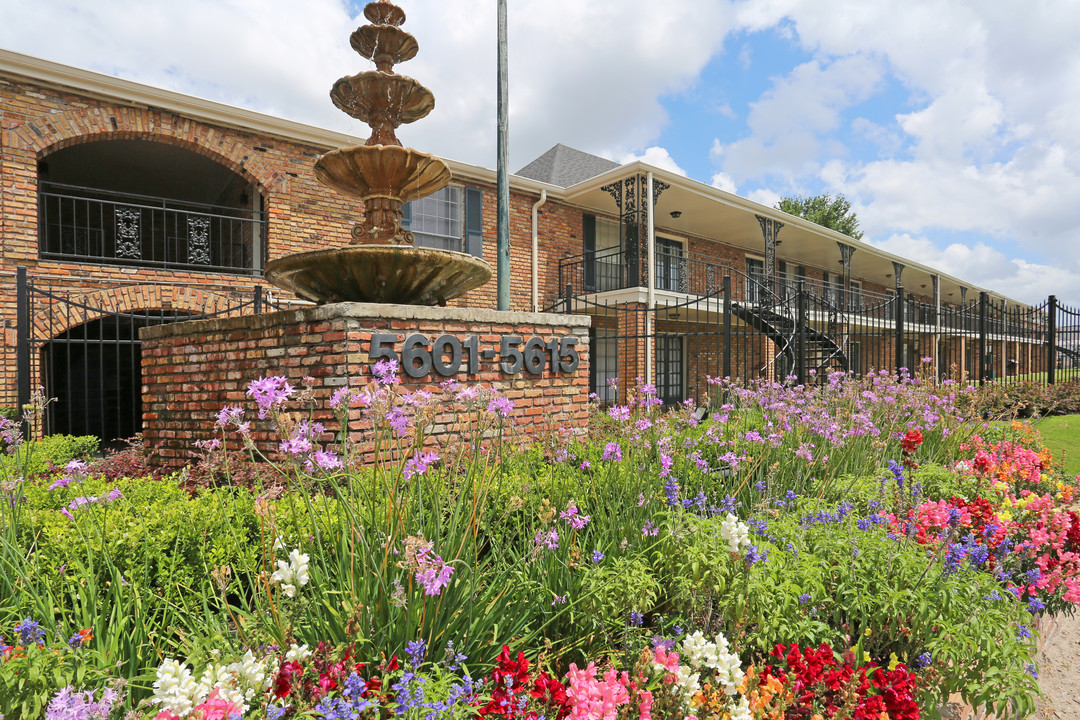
(380, 265)
(370, 297)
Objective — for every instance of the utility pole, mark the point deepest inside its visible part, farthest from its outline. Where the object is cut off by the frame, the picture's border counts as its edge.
(502, 223)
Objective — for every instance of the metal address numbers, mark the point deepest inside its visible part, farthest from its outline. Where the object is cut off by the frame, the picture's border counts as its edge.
(420, 355)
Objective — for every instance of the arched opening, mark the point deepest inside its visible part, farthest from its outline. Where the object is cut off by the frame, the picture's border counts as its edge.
(140, 202)
(95, 369)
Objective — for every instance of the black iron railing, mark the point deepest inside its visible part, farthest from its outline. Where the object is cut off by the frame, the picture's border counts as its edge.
(98, 226)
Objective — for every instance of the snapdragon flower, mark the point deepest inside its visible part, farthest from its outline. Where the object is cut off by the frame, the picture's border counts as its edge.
(292, 572)
(735, 532)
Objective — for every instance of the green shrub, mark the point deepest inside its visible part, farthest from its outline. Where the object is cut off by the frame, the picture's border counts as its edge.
(40, 457)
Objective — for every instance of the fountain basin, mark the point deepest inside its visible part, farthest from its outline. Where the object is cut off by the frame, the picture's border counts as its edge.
(379, 274)
(367, 170)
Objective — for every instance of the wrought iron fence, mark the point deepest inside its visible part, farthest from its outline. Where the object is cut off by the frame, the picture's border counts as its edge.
(741, 326)
(98, 226)
(76, 345)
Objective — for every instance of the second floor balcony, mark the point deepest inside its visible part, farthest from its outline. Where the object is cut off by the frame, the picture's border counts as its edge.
(89, 225)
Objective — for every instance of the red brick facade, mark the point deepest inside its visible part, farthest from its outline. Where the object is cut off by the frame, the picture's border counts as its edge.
(191, 370)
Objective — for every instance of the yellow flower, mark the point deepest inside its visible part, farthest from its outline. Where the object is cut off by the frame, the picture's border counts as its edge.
(893, 661)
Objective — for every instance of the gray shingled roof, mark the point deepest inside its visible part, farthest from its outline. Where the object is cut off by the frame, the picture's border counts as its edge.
(564, 166)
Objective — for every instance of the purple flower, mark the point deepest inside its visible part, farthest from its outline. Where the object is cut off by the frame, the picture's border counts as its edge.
(269, 393)
(1022, 632)
(341, 398)
(585, 465)
(665, 464)
(559, 600)
(805, 598)
(649, 530)
(597, 556)
(327, 460)
(1035, 605)
(30, 632)
(70, 704)
(636, 618)
(501, 406)
(419, 463)
(574, 519)
(229, 415)
(671, 490)
(385, 372)
(612, 451)
(753, 557)
(924, 660)
(433, 574)
(549, 539)
(415, 651)
(668, 644)
(619, 413)
(398, 421)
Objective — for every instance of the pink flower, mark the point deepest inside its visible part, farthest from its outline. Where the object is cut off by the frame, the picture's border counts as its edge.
(216, 708)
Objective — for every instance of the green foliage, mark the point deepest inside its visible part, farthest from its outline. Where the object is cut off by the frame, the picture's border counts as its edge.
(831, 211)
(30, 676)
(39, 457)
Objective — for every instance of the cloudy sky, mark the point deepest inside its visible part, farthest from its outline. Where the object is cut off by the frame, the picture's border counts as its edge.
(951, 125)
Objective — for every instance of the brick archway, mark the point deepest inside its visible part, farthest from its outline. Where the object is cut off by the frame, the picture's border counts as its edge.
(44, 136)
(99, 304)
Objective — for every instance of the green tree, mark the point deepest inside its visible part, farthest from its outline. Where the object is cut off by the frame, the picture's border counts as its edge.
(831, 211)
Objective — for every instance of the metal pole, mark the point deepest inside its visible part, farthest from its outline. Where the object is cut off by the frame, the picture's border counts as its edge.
(727, 326)
(502, 228)
(1051, 339)
(898, 340)
(22, 348)
(800, 329)
(258, 300)
(984, 299)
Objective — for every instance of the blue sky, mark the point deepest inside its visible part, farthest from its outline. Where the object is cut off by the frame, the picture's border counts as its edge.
(949, 124)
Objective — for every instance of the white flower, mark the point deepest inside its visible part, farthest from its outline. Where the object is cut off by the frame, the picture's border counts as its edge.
(687, 680)
(742, 710)
(735, 532)
(292, 572)
(297, 653)
(175, 689)
(693, 649)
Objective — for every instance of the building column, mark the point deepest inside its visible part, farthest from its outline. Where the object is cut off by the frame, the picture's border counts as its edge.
(770, 229)
(631, 197)
(846, 251)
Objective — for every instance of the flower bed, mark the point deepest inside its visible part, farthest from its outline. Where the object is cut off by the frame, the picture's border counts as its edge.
(842, 551)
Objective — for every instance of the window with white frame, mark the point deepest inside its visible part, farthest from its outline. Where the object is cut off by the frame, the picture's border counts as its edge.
(436, 220)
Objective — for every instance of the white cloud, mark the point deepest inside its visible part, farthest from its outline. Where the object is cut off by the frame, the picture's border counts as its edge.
(656, 156)
(986, 267)
(789, 120)
(589, 75)
(724, 182)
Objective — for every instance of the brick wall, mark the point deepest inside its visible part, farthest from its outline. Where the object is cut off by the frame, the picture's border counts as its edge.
(192, 369)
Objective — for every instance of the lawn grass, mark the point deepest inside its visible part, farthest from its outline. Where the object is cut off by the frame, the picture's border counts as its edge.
(1061, 433)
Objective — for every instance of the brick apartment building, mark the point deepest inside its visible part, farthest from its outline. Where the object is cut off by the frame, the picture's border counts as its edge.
(129, 205)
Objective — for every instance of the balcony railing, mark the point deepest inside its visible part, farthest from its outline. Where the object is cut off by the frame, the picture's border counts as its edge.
(97, 226)
(698, 275)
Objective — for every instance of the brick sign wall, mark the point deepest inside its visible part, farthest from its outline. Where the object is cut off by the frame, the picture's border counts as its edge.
(192, 369)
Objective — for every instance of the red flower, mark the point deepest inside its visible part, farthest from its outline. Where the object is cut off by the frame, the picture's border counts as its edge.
(283, 683)
(912, 440)
(552, 693)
